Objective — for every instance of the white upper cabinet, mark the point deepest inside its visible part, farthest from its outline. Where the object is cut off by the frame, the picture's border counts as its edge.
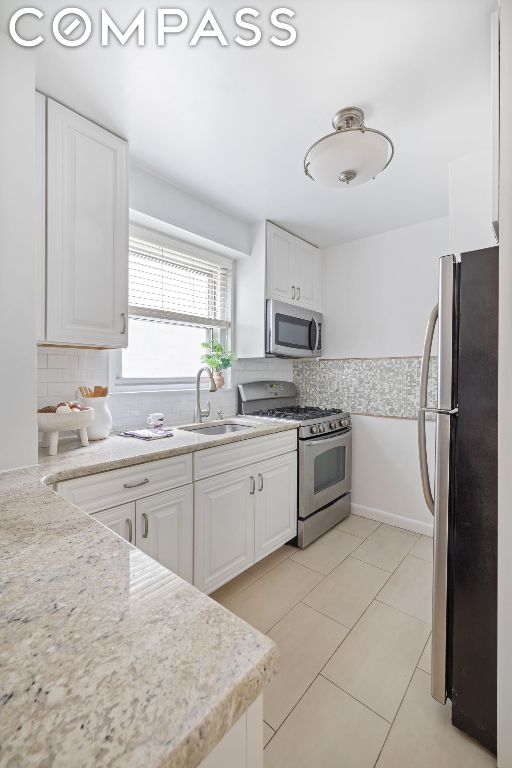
(294, 269)
(87, 232)
(309, 275)
(280, 264)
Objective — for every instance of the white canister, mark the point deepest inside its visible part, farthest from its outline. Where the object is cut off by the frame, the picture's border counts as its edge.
(101, 427)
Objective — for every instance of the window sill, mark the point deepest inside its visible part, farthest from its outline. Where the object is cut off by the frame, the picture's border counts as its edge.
(159, 390)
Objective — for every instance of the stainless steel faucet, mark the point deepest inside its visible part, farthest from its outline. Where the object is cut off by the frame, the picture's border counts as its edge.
(199, 413)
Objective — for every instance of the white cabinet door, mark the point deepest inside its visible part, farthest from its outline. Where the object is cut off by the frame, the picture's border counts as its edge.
(40, 211)
(309, 275)
(87, 232)
(280, 264)
(224, 528)
(119, 519)
(165, 529)
(276, 504)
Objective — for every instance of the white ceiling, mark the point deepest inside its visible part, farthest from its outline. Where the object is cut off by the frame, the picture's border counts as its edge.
(231, 125)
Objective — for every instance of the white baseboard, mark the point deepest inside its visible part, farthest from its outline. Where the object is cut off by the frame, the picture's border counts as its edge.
(408, 523)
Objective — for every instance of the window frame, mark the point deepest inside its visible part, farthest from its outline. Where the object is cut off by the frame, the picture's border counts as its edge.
(120, 384)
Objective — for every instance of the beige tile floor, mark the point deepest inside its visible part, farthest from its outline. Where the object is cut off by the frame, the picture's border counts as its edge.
(351, 617)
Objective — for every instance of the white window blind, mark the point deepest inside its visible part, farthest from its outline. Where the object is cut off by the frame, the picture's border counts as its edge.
(166, 284)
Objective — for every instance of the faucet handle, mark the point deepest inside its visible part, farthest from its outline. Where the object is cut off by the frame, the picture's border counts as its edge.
(206, 412)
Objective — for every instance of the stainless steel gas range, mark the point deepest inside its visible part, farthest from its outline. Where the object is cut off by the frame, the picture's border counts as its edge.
(324, 453)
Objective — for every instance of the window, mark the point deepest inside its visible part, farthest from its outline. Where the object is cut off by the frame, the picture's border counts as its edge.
(179, 297)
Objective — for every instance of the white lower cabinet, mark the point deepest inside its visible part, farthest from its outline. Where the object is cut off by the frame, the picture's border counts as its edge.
(224, 528)
(242, 516)
(165, 529)
(119, 519)
(210, 530)
(242, 746)
(276, 504)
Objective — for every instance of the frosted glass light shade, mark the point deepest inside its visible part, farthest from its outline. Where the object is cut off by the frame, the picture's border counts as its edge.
(333, 160)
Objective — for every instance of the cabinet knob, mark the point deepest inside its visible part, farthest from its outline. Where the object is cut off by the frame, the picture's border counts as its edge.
(145, 531)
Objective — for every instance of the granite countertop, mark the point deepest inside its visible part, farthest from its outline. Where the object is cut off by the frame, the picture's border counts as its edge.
(118, 451)
(107, 657)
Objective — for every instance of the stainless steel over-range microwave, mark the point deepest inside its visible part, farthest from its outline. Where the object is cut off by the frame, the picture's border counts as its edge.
(292, 331)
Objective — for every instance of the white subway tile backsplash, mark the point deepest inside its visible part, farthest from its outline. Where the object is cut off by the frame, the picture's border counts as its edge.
(45, 375)
(62, 361)
(62, 370)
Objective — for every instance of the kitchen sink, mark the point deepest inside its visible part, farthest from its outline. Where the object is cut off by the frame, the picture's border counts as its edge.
(217, 429)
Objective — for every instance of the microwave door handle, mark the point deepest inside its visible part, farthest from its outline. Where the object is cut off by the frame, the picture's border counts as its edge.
(314, 348)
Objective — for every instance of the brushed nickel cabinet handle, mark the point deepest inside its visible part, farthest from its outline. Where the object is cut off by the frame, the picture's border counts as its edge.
(136, 485)
(130, 529)
(298, 293)
(260, 481)
(125, 323)
(145, 520)
(253, 485)
(293, 291)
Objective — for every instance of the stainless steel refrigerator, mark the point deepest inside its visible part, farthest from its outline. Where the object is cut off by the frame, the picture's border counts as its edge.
(463, 498)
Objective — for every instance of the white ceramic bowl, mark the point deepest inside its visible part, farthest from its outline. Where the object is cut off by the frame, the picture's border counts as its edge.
(61, 422)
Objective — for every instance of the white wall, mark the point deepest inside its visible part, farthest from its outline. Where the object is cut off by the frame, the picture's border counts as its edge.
(505, 412)
(385, 475)
(18, 443)
(187, 217)
(377, 296)
(379, 291)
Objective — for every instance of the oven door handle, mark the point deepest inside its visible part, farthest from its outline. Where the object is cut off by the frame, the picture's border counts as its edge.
(312, 441)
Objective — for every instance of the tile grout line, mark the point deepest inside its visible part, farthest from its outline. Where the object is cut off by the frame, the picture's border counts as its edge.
(351, 695)
(256, 578)
(399, 708)
(319, 674)
(339, 646)
(400, 610)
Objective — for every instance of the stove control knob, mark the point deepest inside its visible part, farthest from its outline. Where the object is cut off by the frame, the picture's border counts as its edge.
(332, 425)
(321, 428)
(342, 423)
(314, 430)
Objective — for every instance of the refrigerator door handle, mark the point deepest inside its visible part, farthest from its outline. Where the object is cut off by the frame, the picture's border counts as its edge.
(444, 419)
(422, 437)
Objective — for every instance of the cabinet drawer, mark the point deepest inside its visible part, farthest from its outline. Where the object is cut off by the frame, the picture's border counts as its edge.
(107, 489)
(213, 461)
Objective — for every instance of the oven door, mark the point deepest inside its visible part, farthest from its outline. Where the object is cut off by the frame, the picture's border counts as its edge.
(293, 331)
(325, 471)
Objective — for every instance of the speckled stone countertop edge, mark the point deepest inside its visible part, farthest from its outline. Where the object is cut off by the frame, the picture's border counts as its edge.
(50, 471)
(192, 747)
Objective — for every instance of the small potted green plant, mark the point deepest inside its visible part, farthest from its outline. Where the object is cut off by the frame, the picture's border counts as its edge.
(218, 359)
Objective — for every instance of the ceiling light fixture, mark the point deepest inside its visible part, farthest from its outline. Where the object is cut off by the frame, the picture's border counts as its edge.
(351, 155)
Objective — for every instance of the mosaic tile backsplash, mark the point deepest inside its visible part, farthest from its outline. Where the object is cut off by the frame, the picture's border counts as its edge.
(373, 387)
